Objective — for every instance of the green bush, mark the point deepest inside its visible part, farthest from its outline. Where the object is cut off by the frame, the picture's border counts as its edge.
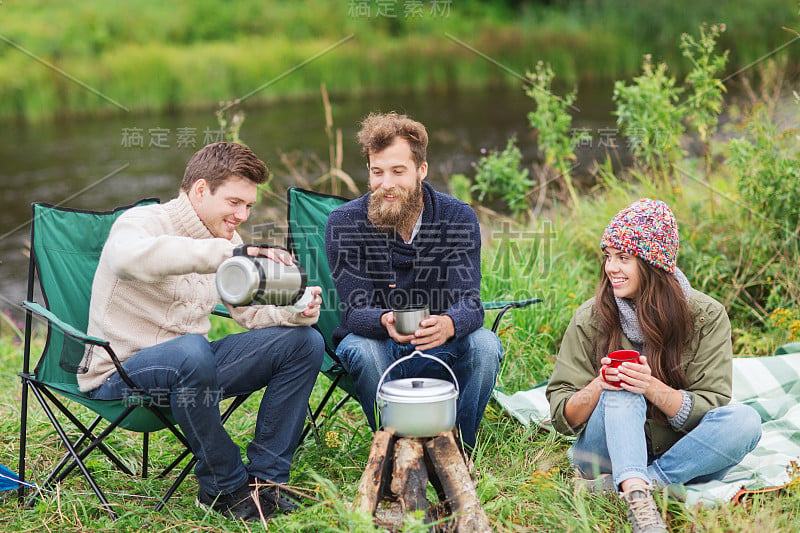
(705, 103)
(654, 119)
(651, 119)
(499, 174)
(552, 123)
(767, 162)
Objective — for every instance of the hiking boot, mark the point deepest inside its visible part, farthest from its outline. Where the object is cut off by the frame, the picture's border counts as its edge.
(604, 483)
(642, 511)
(271, 493)
(238, 505)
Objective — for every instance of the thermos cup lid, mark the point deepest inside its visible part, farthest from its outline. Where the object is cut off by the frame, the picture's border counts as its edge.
(238, 280)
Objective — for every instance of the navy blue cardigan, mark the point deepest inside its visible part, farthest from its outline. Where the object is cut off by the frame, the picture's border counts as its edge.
(440, 268)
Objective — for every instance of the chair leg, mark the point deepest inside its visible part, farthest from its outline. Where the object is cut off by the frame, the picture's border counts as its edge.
(23, 440)
(57, 473)
(177, 483)
(312, 421)
(78, 460)
(145, 453)
(340, 404)
(178, 460)
(239, 400)
(313, 416)
(87, 432)
(65, 466)
(24, 375)
(94, 442)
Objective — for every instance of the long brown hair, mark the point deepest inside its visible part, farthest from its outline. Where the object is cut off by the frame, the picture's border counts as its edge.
(664, 318)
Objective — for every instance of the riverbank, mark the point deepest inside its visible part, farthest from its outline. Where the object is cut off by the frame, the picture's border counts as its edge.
(61, 59)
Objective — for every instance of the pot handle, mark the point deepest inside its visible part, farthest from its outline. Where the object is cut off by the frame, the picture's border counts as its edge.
(406, 358)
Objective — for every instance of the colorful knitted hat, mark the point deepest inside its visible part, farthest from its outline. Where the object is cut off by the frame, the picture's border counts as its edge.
(646, 229)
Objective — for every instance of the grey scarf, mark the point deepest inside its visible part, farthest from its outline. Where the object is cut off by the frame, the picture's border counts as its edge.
(629, 320)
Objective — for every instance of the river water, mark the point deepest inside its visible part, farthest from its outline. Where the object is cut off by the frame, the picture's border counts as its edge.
(101, 163)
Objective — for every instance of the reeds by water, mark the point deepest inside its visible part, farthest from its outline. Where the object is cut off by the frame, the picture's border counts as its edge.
(72, 58)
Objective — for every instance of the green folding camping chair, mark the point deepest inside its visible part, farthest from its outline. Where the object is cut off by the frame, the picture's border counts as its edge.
(65, 249)
(307, 214)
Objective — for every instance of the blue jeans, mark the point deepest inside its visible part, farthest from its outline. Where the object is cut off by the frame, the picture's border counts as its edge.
(474, 359)
(614, 441)
(190, 375)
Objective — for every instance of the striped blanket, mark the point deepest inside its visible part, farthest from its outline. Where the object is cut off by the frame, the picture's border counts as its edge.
(771, 385)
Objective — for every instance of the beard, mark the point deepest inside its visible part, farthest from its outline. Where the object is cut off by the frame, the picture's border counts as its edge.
(400, 215)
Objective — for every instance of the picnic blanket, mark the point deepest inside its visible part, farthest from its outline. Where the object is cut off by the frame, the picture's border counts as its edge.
(771, 385)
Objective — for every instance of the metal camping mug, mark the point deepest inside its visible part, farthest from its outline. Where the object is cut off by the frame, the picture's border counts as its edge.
(407, 319)
(247, 280)
(417, 407)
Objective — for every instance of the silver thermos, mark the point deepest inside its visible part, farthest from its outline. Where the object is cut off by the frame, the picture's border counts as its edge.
(247, 280)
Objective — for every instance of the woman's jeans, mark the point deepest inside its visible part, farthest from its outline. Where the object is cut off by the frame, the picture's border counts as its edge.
(614, 441)
(190, 375)
(474, 359)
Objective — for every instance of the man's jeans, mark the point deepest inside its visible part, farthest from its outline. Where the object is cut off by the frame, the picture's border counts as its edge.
(614, 441)
(190, 375)
(475, 360)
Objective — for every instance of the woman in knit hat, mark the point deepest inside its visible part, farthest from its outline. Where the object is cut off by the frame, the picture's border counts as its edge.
(664, 420)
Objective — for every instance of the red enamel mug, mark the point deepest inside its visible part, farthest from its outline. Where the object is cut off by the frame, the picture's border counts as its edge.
(617, 358)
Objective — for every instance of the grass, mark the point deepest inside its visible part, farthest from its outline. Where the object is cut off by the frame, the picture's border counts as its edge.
(162, 56)
(523, 474)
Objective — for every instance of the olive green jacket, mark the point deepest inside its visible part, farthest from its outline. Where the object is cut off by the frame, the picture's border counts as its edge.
(706, 363)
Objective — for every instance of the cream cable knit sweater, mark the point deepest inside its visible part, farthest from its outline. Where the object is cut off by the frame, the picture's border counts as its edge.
(156, 281)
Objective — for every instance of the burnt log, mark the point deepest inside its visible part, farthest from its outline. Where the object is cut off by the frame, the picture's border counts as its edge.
(409, 476)
(376, 477)
(451, 470)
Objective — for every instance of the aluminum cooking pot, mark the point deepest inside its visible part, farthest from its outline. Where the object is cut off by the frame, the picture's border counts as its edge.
(417, 407)
(247, 280)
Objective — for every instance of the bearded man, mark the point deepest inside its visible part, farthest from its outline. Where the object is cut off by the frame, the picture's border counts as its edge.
(405, 244)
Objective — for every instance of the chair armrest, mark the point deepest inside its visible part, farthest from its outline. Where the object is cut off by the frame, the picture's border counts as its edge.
(73, 332)
(67, 328)
(514, 304)
(504, 306)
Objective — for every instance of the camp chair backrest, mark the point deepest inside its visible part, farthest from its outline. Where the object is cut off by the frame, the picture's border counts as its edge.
(307, 215)
(66, 246)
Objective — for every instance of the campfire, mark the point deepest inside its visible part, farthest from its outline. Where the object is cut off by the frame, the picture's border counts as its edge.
(395, 483)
